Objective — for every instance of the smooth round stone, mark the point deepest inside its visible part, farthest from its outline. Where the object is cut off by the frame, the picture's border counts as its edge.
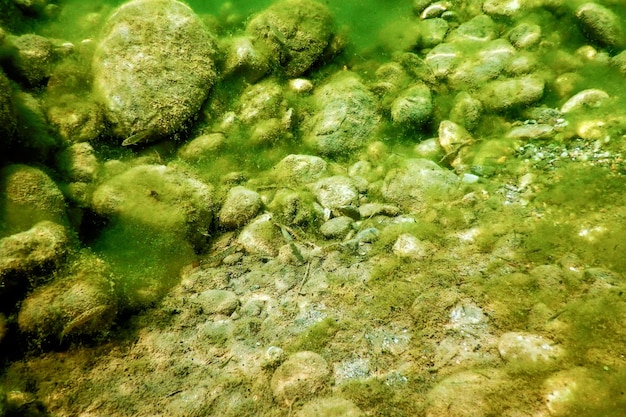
(300, 169)
(409, 247)
(585, 99)
(153, 68)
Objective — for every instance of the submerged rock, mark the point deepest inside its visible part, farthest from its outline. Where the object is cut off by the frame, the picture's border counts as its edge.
(8, 122)
(240, 206)
(30, 196)
(153, 68)
(301, 375)
(601, 25)
(28, 255)
(346, 116)
(77, 303)
(419, 182)
(296, 32)
(160, 199)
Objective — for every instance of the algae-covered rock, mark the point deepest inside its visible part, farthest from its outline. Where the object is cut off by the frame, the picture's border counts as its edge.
(419, 182)
(296, 32)
(153, 68)
(335, 192)
(261, 236)
(29, 196)
(159, 198)
(33, 58)
(330, 407)
(240, 206)
(8, 122)
(76, 119)
(301, 375)
(246, 58)
(504, 95)
(601, 25)
(78, 302)
(31, 254)
(413, 106)
(299, 169)
(78, 162)
(345, 117)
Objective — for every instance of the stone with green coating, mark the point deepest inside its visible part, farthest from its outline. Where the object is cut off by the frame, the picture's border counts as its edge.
(153, 68)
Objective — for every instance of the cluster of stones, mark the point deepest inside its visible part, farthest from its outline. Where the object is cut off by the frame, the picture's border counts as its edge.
(145, 90)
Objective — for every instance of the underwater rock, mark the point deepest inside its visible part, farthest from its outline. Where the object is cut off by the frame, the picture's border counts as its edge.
(584, 100)
(216, 302)
(601, 25)
(410, 247)
(619, 62)
(503, 95)
(78, 162)
(153, 68)
(418, 183)
(466, 111)
(335, 192)
(466, 394)
(525, 35)
(478, 29)
(8, 121)
(78, 302)
(261, 236)
(330, 407)
(260, 102)
(296, 33)
(76, 119)
(202, 147)
(240, 206)
(246, 58)
(159, 198)
(299, 169)
(345, 118)
(292, 207)
(337, 228)
(28, 255)
(299, 377)
(264, 112)
(33, 58)
(566, 391)
(489, 62)
(413, 107)
(529, 350)
(30, 196)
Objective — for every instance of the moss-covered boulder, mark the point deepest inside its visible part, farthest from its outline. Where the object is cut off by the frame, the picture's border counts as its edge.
(153, 68)
(296, 32)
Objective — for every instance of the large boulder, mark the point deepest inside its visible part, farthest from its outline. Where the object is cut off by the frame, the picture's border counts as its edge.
(153, 68)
